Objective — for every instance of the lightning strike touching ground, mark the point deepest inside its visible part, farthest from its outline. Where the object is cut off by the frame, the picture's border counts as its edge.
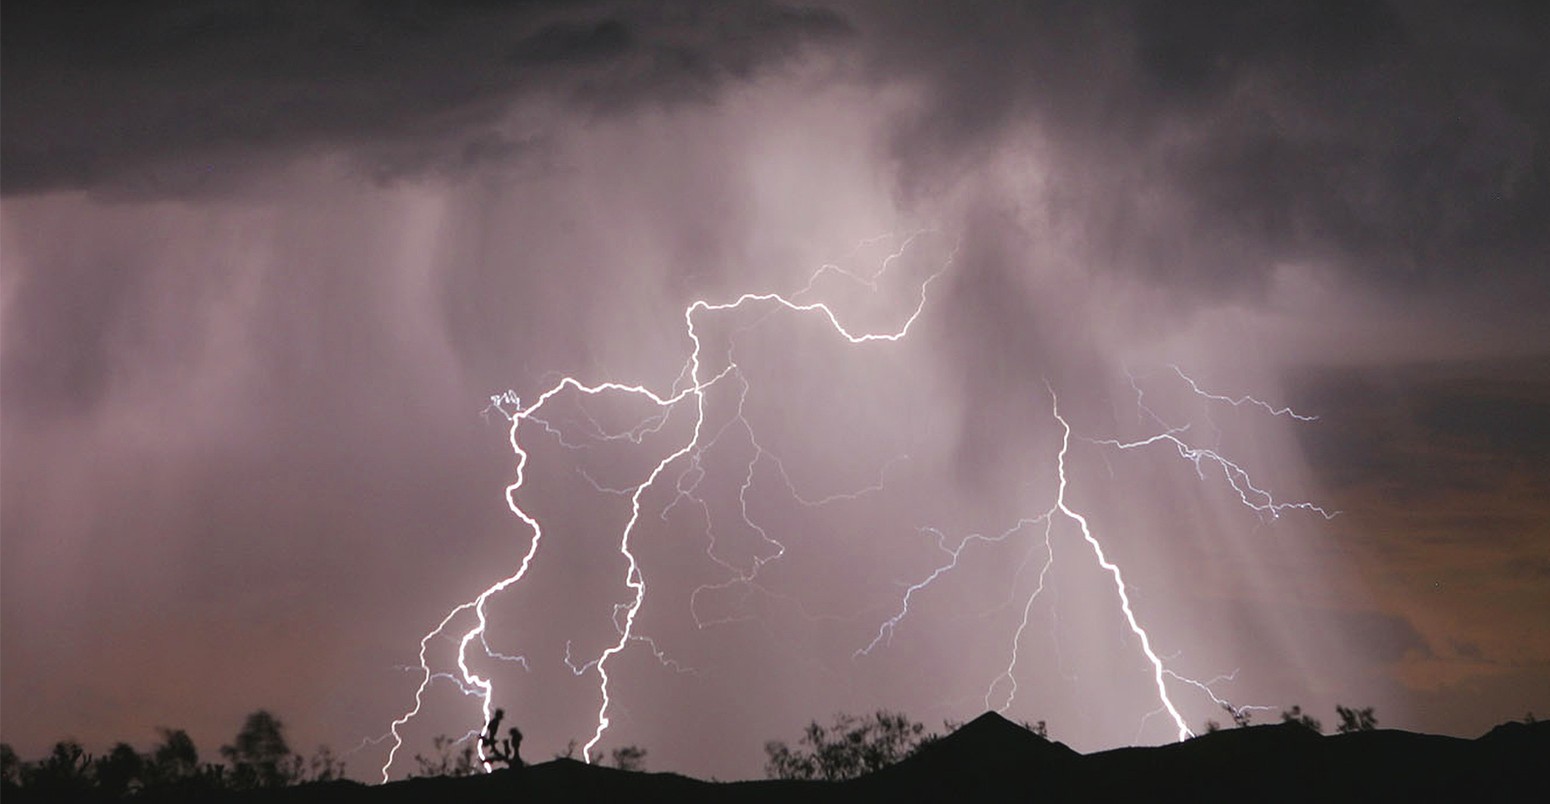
(683, 486)
(633, 579)
(1158, 670)
(1237, 478)
(766, 471)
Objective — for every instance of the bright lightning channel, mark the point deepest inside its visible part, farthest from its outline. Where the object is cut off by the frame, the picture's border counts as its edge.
(1061, 508)
(691, 383)
(1237, 478)
(633, 579)
(1240, 401)
(1158, 671)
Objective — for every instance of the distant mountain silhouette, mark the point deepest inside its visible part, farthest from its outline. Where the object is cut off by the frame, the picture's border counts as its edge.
(991, 759)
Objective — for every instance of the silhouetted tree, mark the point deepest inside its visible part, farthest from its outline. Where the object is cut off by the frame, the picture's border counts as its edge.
(630, 758)
(1040, 728)
(1355, 719)
(501, 750)
(846, 749)
(171, 771)
(174, 759)
(1295, 715)
(450, 759)
(10, 768)
(121, 772)
(1241, 717)
(65, 773)
(260, 758)
(323, 766)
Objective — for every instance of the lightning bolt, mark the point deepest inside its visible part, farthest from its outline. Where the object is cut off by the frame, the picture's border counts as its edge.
(1240, 401)
(1209, 688)
(467, 623)
(1237, 478)
(634, 580)
(1158, 671)
(1010, 674)
(1058, 508)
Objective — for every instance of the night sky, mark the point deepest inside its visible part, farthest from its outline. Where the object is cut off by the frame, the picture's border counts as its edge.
(266, 263)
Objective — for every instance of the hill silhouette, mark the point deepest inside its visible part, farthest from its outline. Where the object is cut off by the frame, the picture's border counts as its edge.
(991, 759)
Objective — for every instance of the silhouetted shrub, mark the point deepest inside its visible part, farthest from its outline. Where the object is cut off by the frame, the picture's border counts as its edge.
(453, 758)
(260, 758)
(501, 750)
(1295, 715)
(1355, 719)
(629, 757)
(121, 772)
(10, 768)
(846, 749)
(1241, 717)
(323, 766)
(65, 773)
(175, 759)
(170, 771)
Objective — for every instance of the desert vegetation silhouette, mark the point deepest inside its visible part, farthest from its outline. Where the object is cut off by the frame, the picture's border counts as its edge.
(835, 761)
(852, 746)
(259, 758)
(847, 748)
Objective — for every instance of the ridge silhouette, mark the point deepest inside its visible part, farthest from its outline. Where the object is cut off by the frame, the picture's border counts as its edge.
(991, 759)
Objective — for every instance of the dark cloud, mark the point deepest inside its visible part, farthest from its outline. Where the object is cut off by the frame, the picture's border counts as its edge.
(1426, 428)
(1200, 143)
(154, 97)
(264, 262)
(685, 56)
(1204, 143)
(1197, 51)
(569, 44)
(167, 99)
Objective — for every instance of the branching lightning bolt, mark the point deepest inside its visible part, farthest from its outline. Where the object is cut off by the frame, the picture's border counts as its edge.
(885, 631)
(1061, 508)
(692, 383)
(634, 579)
(1208, 687)
(1240, 401)
(1158, 671)
(1237, 478)
(1010, 674)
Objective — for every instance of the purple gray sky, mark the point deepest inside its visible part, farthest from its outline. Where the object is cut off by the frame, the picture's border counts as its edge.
(264, 264)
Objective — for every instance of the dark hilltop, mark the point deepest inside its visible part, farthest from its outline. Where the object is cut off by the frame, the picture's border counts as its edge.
(991, 759)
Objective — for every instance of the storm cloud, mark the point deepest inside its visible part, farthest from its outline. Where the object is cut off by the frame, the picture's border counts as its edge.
(264, 264)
